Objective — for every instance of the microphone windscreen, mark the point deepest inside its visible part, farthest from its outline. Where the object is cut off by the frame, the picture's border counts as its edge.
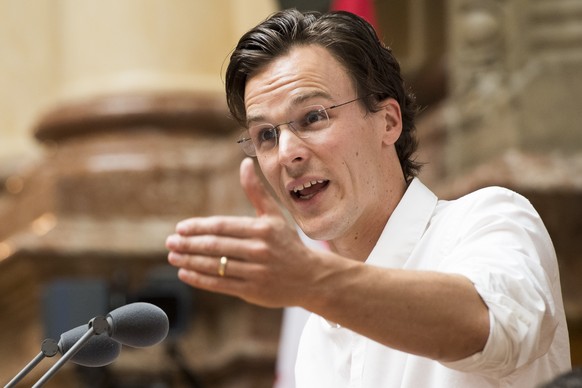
(138, 324)
(100, 350)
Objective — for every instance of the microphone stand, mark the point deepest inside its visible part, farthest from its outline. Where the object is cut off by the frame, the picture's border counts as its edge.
(97, 326)
(48, 348)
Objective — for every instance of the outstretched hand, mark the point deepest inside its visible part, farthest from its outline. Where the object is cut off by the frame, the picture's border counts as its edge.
(267, 262)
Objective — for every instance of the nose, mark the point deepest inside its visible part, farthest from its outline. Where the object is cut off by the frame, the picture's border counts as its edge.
(291, 148)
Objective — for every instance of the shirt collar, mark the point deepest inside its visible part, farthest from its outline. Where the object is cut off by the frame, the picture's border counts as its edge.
(405, 227)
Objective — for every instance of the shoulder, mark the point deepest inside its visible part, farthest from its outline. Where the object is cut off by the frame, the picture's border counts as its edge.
(490, 210)
(495, 199)
(493, 194)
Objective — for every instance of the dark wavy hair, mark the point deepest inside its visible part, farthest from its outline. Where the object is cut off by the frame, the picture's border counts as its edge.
(352, 41)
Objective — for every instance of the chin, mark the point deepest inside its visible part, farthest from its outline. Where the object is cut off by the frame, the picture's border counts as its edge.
(324, 225)
(316, 232)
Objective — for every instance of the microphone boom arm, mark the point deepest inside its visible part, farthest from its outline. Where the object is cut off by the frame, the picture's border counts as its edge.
(97, 326)
(48, 348)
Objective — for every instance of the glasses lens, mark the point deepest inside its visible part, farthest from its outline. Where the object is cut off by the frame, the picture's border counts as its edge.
(309, 120)
(263, 137)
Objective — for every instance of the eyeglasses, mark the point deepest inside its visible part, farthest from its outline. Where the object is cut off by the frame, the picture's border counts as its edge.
(307, 122)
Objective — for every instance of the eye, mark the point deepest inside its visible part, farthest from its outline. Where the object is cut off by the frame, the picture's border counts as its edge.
(314, 118)
(268, 134)
(262, 135)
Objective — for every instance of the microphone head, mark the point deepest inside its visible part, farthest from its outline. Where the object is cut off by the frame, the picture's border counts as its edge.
(138, 324)
(100, 350)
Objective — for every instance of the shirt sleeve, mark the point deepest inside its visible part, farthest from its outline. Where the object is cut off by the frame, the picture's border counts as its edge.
(502, 246)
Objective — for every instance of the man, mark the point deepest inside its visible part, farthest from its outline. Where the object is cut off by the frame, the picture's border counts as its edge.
(413, 291)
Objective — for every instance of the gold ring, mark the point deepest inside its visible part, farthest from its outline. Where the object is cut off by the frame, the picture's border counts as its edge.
(222, 266)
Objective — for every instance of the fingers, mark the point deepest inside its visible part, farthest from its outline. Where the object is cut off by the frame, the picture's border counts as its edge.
(202, 264)
(256, 192)
(208, 265)
(228, 286)
(203, 272)
(216, 246)
(242, 227)
(250, 243)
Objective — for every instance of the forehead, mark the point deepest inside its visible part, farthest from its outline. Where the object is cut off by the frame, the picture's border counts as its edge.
(304, 73)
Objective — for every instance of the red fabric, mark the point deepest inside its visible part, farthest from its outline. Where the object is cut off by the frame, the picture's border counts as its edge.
(363, 8)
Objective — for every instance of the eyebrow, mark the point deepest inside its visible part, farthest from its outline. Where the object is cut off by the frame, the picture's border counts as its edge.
(295, 101)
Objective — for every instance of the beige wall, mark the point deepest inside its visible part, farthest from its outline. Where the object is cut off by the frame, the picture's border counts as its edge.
(54, 50)
(27, 72)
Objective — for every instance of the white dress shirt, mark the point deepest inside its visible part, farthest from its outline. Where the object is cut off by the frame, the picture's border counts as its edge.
(495, 238)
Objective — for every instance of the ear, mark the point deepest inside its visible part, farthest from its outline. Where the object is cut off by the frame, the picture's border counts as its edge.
(392, 116)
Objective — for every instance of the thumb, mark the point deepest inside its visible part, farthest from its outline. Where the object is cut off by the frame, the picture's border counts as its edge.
(256, 192)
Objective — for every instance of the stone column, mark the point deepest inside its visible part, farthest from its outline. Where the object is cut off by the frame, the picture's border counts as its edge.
(516, 67)
(137, 137)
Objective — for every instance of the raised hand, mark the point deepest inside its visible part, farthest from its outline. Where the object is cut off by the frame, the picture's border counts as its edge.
(266, 262)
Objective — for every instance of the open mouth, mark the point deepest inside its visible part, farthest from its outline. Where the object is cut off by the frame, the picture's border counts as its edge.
(309, 189)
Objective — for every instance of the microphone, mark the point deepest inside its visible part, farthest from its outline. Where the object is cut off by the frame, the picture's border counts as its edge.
(100, 350)
(137, 325)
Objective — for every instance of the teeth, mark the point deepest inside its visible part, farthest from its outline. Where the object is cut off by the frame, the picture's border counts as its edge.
(306, 185)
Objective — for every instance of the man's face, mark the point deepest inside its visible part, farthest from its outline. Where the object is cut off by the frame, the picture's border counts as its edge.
(335, 182)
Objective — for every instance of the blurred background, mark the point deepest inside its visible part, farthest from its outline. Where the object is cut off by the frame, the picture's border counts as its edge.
(113, 127)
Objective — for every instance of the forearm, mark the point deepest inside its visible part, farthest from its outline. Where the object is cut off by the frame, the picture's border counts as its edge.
(431, 314)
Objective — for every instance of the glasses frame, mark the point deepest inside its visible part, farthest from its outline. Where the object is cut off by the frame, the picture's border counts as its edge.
(245, 136)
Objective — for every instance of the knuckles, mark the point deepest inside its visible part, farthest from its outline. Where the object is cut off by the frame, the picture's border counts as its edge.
(217, 225)
(269, 228)
(257, 250)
